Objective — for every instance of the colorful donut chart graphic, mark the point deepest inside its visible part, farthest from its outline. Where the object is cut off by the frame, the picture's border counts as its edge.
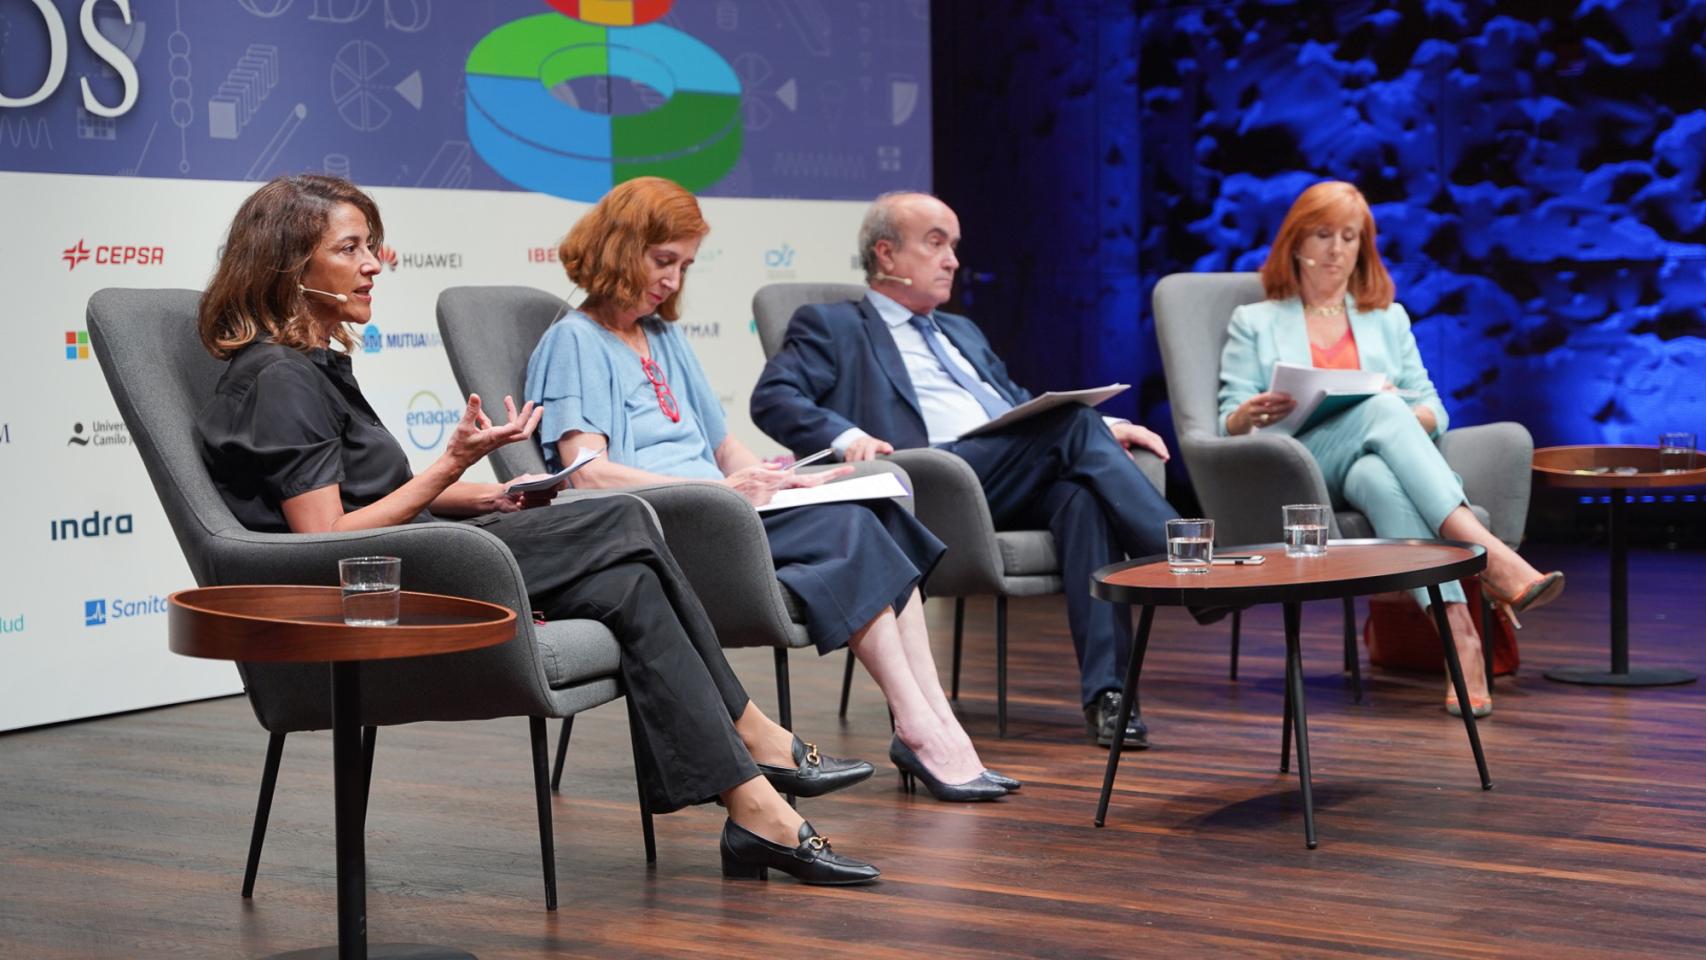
(538, 142)
(614, 13)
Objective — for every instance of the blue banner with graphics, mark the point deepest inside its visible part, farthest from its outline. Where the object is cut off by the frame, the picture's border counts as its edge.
(816, 99)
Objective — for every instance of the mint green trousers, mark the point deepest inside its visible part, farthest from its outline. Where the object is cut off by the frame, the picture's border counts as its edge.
(1377, 459)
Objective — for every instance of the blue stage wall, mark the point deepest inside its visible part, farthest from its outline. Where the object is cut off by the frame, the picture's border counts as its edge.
(1537, 170)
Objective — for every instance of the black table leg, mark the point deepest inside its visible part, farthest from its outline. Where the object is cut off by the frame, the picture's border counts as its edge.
(1437, 604)
(1285, 725)
(1294, 682)
(1139, 645)
(1620, 675)
(350, 803)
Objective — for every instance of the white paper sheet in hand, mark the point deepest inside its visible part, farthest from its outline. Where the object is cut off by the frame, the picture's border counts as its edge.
(1309, 385)
(582, 455)
(1090, 397)
(872, 486)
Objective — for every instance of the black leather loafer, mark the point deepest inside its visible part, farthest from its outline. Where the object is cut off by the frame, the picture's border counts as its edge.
(748, 856)
(1002, 780)
(1103, 714)
(814, 774)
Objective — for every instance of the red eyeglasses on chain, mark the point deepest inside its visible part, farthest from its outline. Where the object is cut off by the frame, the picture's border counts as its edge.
(666, 399)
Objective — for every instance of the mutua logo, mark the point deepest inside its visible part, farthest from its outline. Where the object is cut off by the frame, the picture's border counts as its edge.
(373, 340)
(113, 255)
(428, 419)
(99, 433)
(76, 344)
(98, 611)
(96, 524)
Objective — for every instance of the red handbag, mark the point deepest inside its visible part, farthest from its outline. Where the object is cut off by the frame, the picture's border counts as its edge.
(1400, 635)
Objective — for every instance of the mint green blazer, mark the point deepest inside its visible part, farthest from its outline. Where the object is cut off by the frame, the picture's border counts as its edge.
(1273, 330)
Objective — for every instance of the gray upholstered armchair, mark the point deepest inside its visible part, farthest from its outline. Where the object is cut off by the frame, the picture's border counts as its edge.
(949, 500)
(489, 333)
(160, 376)
(1243, 481)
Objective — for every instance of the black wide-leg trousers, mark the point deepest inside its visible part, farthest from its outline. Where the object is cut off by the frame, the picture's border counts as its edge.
(603, 559)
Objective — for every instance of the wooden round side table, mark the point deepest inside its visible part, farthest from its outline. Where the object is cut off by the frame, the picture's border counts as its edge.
(1350, 568)
(297, 624)
(1596, 467)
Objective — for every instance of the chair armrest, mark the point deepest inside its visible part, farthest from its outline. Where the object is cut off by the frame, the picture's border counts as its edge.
(449, 558)
(949, 500)
(1243, 481)
(1153, 468)
(1495, 461)
(720, 544)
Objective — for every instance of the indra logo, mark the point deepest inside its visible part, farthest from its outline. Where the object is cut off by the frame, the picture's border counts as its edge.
(780, 258)
(113, 255)
(429, 420)
(96, 524)
(75, 255)
(76, 344)
(373, 341)
(677, 101)
(97, 612)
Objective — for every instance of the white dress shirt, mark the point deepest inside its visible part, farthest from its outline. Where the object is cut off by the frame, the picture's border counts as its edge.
(949, 409)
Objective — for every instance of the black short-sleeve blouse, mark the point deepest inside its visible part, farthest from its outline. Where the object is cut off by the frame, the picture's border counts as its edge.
(283, 422)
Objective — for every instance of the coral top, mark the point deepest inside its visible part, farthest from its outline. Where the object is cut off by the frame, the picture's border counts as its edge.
(1339, 356)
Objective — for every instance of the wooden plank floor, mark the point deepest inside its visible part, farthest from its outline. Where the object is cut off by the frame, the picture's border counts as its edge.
(125, 836)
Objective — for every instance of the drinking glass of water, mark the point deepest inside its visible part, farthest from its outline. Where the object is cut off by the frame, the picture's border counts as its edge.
(1190, 545)
(1306, 529)
(371, 590)
(1676, 452)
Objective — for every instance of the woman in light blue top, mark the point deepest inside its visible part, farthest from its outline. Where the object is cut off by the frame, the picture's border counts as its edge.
(616, 375)
(1330, 305)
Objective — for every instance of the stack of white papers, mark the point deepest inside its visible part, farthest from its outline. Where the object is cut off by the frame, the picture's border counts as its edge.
(550, 481)
(1320, 394)
(872, 486)
(1090, 397)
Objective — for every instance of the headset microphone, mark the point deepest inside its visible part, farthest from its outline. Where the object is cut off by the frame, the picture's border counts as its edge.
(892, 278)
(1308, 261)
(335, 296)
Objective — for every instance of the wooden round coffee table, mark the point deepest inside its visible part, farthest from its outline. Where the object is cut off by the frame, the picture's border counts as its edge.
(1596, 468)
(295, 624)
(1350, 568)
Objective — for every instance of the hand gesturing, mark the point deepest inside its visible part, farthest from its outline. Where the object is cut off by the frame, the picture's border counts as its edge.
(476, 435)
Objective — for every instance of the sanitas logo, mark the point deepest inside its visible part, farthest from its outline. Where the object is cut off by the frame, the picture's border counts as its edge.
(97, 612)
(76, 344)
(113, 255)
(373, 341)
(427, 261)
(99, 433)
(429, 420)
(14, 625)
(96, 524)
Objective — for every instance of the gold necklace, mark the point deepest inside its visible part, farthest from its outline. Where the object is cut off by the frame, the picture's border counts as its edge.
(1327, 309)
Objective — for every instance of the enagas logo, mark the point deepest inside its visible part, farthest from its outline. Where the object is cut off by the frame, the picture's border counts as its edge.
(113, 255)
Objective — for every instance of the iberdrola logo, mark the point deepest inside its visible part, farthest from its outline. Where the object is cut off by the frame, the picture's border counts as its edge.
(574, 102)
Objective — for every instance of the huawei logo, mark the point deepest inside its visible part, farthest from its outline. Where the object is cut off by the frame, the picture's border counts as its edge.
(75, 255)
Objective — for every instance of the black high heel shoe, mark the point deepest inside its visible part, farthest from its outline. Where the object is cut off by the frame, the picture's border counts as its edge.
(1001, 780)
(814, 774)
(748, 856)
(911, 768)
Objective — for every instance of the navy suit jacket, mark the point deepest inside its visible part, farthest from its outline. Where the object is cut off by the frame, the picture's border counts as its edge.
(839, 368)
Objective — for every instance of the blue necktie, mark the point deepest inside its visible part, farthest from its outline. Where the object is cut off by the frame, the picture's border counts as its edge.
(993, 405)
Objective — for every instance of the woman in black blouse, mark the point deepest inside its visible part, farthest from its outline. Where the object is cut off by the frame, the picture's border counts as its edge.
(293, 446)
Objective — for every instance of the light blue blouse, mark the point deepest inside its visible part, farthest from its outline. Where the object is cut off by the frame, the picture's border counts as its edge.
(1274, 330)
(589, 380)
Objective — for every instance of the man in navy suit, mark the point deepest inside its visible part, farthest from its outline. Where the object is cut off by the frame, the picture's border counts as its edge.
(892, 371)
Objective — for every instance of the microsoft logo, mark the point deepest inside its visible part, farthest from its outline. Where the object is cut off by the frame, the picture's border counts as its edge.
(94, 613)
(76, 344)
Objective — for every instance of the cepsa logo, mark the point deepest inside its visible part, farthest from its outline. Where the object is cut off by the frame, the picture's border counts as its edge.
(113, 255)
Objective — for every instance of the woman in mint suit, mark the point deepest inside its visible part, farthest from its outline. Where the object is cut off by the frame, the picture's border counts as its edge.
(1330, 305)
